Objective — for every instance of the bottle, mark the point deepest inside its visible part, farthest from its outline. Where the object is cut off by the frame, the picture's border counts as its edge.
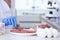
(2, 28)
(41, 32)
(49, 33)
(54, 32)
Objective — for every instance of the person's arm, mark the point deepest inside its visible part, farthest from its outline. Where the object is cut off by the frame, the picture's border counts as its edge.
(8, 2)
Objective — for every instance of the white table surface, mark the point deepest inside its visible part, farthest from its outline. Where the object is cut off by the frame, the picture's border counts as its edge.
(8, 36)
(15, 37)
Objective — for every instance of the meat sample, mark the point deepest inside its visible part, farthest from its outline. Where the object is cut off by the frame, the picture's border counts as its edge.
(22, 31)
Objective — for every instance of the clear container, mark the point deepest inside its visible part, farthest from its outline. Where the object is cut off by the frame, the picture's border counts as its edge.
(2, 28)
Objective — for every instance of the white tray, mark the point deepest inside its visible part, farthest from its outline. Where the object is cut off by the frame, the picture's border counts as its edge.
(26, 34)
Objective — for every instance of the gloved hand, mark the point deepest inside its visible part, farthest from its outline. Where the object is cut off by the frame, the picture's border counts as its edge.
(10, 21)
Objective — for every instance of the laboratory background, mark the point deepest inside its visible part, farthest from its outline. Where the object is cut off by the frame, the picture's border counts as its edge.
(29, 19)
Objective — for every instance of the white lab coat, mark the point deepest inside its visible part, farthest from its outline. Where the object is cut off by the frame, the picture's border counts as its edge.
(4, 10)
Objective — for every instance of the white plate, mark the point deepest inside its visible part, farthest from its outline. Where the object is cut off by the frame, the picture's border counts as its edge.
(27, 34)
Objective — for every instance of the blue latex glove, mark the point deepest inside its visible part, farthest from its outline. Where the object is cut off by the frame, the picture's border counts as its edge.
(6, 21)
(13, 21)
(10, 21)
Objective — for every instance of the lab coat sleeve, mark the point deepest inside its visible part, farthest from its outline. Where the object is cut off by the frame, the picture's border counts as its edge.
(1, 13)
(5, 8)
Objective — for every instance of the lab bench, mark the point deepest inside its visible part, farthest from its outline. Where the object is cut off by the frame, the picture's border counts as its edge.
(18, 37)
(8, 36)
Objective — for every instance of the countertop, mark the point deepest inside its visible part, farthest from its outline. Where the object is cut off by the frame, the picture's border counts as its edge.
(15, 37)
(8, 36)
